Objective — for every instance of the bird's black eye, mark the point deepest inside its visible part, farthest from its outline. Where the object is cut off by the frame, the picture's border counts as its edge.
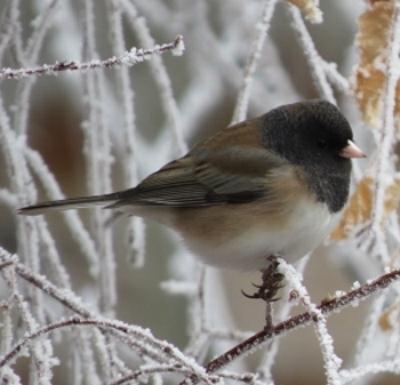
(322, 143)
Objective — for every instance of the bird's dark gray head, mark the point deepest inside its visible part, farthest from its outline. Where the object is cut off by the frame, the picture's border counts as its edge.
(313, 134)
(308, 132)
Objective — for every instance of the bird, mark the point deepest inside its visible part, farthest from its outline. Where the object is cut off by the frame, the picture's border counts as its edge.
(273, 185)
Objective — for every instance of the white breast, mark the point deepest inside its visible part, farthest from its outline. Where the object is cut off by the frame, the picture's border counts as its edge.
(310, 222)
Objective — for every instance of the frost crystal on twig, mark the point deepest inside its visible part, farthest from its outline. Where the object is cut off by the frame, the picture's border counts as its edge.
(128, 58)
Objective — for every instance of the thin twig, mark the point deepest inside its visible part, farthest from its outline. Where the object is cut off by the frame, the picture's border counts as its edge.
(160, 74)
(150, 370)
(98, 159)
(387, 134)
(149, 342)
(244, 93)
(129, 58)
(313, 58)
(135, 230)
(350, 375)
(53, 190)
(335, 77)
(331, 361)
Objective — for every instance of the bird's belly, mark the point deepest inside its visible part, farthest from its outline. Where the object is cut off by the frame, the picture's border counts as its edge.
(307, 224)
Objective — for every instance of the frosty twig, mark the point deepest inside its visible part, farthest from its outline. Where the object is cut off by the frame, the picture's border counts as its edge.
(128, 58)
(327, 307)
(387, 134)
(244, 93)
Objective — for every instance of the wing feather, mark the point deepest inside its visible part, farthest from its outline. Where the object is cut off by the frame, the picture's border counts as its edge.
(210, 174)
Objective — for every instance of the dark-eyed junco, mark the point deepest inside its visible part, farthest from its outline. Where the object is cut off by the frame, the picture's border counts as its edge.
(267, 186)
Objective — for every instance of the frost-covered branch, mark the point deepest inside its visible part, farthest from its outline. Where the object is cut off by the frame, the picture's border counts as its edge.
(156, 349)
(135, 232)
(349, 376)
(327, 307)
(387, 132)
(145, 371)
(146, 342)
(335, 77)
(313, 58)
(244, 94)
(128, 58)
(72, 219)
(331, 361)
(160, 74)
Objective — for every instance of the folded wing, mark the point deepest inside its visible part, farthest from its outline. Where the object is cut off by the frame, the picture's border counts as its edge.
(209, 175)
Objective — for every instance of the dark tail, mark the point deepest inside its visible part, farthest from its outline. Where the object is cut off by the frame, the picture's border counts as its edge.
(66, 204)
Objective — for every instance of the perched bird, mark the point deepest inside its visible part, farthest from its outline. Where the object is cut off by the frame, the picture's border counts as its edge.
(266, 186)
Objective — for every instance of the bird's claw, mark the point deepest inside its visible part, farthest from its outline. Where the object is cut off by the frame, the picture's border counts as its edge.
(251, 296)
(271, 284)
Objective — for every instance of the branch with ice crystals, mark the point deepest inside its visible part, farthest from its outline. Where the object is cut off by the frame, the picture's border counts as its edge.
(369, 328)
(326, 307)
(72, 219)
(350, 375)
(134, 336)
(143, 372)
(128, 58)
(160, 74)
(280, 314)
(142, 337)
(310, 9)
(331, 361)
(64, 296)
(244, 93)
(335, 77)
(135, 230)
(387, 135)
(313, 58)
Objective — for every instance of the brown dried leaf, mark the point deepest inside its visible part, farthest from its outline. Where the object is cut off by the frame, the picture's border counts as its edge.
(359, 209)
(310, 9)
(386, 321)
(372, 40)
(392, 196)
(372, 2)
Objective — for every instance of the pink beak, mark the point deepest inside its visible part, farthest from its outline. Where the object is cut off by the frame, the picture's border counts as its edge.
(352, 151)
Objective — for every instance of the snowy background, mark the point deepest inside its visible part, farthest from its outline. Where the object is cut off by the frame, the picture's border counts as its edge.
(76, 132)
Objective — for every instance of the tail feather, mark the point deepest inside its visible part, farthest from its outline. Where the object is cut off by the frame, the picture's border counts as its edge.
(66, 204)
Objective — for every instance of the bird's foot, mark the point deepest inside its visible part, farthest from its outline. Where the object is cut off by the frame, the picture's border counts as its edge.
(267, 291)
(271, 283)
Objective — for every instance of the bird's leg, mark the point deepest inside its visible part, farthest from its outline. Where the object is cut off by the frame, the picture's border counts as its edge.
(271, 283)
